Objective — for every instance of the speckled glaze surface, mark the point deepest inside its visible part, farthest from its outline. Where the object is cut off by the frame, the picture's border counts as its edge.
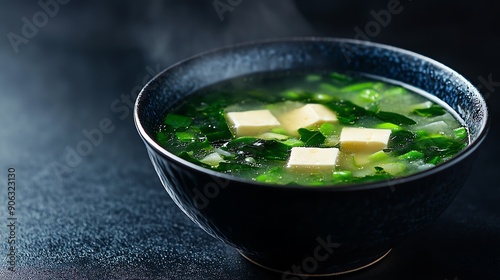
(316, 230)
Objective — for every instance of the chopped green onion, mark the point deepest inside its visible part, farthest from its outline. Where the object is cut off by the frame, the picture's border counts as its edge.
(435, 160)
(185, 136)
(378, 156)
(422, 133)
(460, 133)
(321, 97)
(411, 155)
(327, 129)
(295, 95)
(279, 130)
(293, 142)
(394, 118)
(388, 125)
(341, 176)
(433, 111)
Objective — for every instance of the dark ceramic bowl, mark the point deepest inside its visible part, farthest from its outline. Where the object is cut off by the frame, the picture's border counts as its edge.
(304, 230)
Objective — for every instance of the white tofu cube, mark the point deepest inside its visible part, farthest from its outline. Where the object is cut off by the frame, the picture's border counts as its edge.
(306, 116)
(304, 159)
(251, 123)
(364, 139)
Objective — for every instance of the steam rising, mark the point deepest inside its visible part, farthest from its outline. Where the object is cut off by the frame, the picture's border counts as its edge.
(178, 29)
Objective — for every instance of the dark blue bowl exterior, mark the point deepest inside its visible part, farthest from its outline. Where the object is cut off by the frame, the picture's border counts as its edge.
(281, 226)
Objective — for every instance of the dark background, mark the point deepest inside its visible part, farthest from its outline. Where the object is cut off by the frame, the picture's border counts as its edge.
(105, 215)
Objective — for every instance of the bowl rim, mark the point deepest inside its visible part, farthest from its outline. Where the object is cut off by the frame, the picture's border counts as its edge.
(392, 183)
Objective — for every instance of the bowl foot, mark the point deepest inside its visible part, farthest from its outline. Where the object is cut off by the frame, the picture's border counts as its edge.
(331, 271)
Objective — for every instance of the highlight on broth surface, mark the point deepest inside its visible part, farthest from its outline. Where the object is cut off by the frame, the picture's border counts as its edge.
(312, 129)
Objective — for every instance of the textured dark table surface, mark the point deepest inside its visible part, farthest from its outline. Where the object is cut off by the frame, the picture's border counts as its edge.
(95, 209)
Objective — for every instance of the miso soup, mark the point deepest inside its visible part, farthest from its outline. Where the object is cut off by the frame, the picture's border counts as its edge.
(312, 129)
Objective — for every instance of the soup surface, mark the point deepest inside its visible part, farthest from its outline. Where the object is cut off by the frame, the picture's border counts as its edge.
(312, 129)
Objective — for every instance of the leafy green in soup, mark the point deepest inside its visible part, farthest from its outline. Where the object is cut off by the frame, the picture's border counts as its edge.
(312, 129)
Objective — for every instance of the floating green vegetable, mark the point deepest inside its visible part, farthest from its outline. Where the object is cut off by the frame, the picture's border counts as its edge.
(394, 118)
(433, 111)
(339, 77)
(293, 142)
(272, 175)
(321, 97)
(311, 138)
(439, 145)
(197, 146)
(460, 133)
(190, 158)
(259, 148)
(388, 125)
(369, 95)
(185, 136)
(327, 129)
(350, 113)
(372, 178)
(342, 176)
(177, 121)
(401, 141)
(296, 95)
(162, 137)
(412, 155)
(347, 112)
